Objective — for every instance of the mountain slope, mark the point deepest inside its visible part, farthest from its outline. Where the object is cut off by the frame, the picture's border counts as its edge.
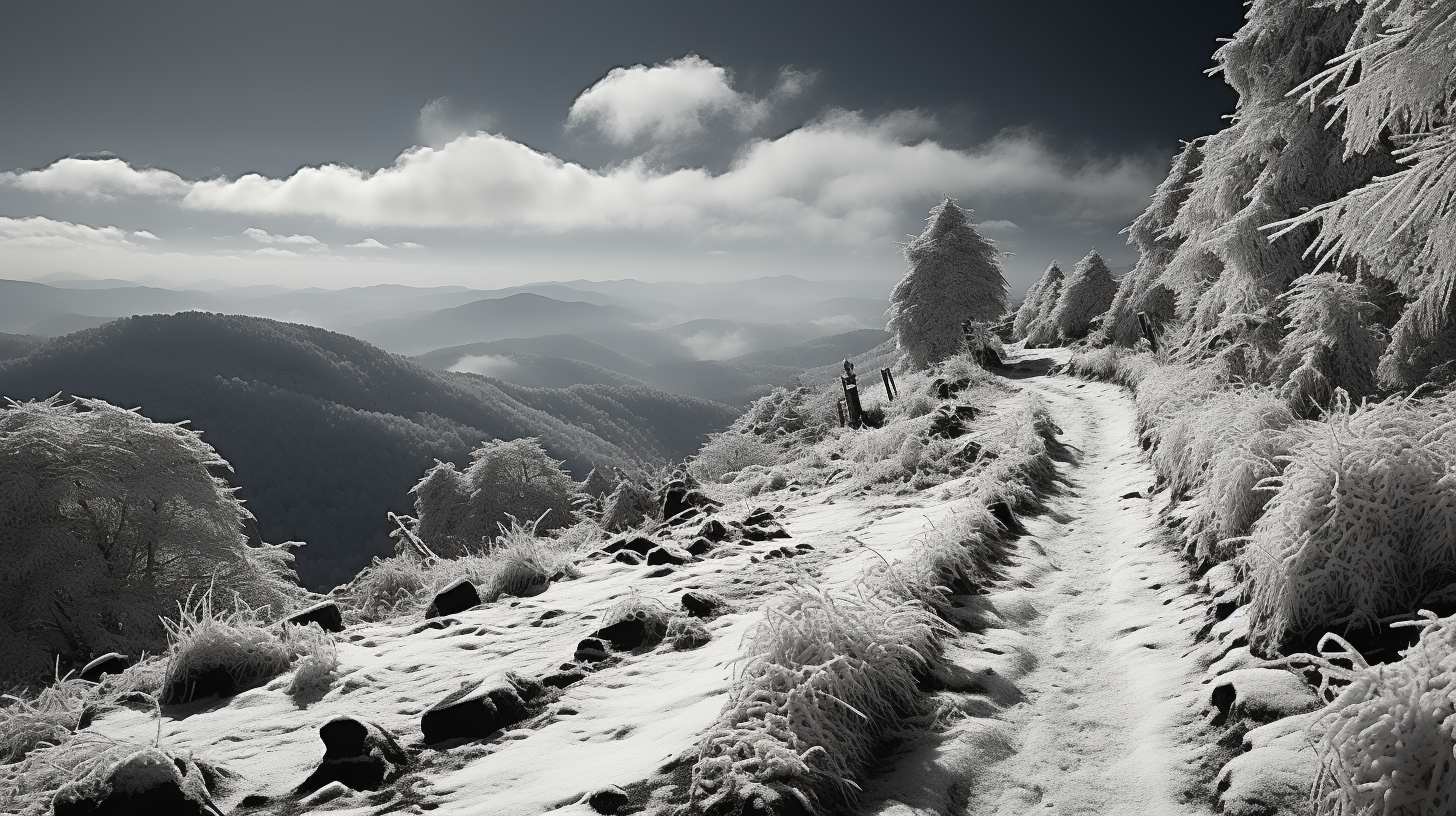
(327, 432)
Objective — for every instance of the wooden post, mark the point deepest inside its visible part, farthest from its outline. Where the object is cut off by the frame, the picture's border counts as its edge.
(839, 404)
(1146, 324)
(889, 383)
(851, 396)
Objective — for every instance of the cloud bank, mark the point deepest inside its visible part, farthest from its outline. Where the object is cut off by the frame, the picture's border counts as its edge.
(46, 233)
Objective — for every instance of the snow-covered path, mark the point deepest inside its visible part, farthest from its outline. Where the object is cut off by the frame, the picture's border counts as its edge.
(1092, 629)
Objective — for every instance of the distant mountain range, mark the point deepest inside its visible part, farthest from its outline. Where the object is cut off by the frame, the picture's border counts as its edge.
(556, 360)
(327, 432)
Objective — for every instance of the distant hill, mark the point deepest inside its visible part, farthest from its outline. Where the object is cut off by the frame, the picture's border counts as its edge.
(326, 432)
(18, 345)
(24, 303)
(67, 323)
(522, 315)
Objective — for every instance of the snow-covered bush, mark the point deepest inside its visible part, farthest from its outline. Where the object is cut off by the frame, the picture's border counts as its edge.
(1333, 342)
(954, 276)
(463, 513)
(1085, 295)
(205, 642)
(729, 452)
(827, 681)
(1041, 298)
(1363, 523)
(315, 659)
(107, 521)
(1387, 743)
(630, 504)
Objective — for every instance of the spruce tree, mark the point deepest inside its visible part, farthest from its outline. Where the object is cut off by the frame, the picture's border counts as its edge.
(1041, 298)
(1087, 293)
(954, 275)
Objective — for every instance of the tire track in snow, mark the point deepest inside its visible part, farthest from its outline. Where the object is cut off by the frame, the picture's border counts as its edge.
(1097, 619)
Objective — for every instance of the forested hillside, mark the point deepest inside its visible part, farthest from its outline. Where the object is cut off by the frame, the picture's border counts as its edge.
(326, 432)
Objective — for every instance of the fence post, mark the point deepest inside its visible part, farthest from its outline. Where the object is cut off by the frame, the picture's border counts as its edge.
(851, 396)
(839, 404)
(889, 383)
(1146, 324)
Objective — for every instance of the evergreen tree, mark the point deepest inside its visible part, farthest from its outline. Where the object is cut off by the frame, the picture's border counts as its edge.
(1086, 295)
(954, 276)
(1041, 298)
(107, 521)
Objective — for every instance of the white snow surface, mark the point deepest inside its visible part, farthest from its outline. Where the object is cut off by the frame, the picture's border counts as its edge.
(1080, 697)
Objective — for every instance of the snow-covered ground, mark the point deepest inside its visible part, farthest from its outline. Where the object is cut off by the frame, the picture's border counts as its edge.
(1076, 687)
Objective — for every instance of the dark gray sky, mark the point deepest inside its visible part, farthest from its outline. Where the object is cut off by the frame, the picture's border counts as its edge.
(804, 137)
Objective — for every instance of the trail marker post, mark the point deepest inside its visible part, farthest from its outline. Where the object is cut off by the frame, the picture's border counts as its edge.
(1146, 324)
(851, 396)
(889, 379)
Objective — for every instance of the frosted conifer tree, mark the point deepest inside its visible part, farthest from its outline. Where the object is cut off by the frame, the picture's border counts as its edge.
(1087, 293)
(107, 521)
(1395, 83)
(954, 276)
(1041, 298)
(1332, 342)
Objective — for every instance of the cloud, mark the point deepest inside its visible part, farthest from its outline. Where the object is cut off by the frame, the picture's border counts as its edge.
(39, 231)
(264, 237)
(997, 226)
(408, 245)
(674, 100)
(842, 178)
(97, 179)
(275, 252)
(368, 243)
(719, 345)
(439, 123)
(489, 365)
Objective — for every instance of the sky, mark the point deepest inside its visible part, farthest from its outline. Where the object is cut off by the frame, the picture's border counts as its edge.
(490, 144)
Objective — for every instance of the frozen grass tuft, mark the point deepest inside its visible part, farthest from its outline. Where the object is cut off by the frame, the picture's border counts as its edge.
(50, 718)
(206, 643)
(1388, 742)
(1363, 524)
(316, 660)
(828, 680)
(955, 558)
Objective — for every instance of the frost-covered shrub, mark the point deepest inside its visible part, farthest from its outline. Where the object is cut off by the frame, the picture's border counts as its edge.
(316, 658)
(1363, 523)
(956, 557)
(827, 682)
(1096, 363)
(463, 513)
(954, 276)
(387, 588)
(685, 632)
(1387, 743)
(48, 718)
(630, 504)
(1085, 295)
(1333, 342)
(730, 452)
(107, 520)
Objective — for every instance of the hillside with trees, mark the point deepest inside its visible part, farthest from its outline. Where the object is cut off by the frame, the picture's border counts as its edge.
(327, 433)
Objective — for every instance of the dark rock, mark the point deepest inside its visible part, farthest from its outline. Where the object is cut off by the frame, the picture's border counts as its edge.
(640, 545)
(627, 557)
(609, 800)
(327, 615)
(713, 530)
(149, 782)
(660, 572)
(109, 663)
(1133, 495)
(949, 422)
(359, 755)
(701, 605)
(759, 516)
(474, 712)
(212, 682)
(562, 679)
(804, 545)
(766, 532)
(457, 597)
(626, 635)
(700, 546)
(591, 650)
(667, 555)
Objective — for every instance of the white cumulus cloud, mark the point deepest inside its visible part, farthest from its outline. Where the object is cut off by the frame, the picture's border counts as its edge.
(39, 231)
(440, 122)
(409, 245)
(98, 179)
(673, 100)
(265, 237)
(368, 243)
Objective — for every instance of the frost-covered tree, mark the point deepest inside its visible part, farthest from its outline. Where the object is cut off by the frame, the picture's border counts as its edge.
(462, 513)
(1085, 295)
(1332, 342)
(107, 521)
(1041, 298)
(1395, 83)
(954, 276)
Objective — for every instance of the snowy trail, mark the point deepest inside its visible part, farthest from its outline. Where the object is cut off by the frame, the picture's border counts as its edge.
(1095, 620)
